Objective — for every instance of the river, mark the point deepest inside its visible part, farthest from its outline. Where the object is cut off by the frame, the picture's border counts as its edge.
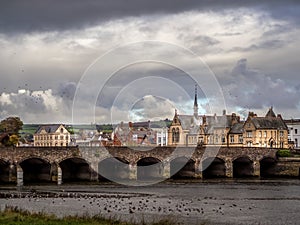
(195, 202)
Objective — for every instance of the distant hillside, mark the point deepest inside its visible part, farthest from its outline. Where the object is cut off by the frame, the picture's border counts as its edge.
(31, 128)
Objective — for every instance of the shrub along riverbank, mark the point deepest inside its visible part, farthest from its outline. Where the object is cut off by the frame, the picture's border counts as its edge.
(14, 216)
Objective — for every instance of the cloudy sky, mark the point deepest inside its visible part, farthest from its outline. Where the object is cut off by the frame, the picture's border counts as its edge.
(53, 53)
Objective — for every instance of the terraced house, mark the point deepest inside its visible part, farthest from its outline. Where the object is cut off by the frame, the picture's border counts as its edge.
(269, 131)
(51, 135)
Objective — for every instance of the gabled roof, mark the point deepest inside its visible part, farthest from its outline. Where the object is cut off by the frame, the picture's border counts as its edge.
(270, 113)
(268, 123)
(188, 121)
(219, 121)
(237, 128)
(50, 128)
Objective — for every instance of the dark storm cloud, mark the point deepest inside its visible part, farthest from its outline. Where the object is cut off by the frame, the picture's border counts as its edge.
(36, 15)
(252, 89)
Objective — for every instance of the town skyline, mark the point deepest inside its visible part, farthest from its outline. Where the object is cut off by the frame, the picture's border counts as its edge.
(251, 49)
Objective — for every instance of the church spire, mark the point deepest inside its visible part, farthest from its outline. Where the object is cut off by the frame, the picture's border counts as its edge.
(195, 103)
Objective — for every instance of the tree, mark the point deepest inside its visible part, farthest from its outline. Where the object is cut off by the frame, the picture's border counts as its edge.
(11, 125)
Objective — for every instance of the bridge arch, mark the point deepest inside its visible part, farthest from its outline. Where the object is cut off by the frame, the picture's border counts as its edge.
(268, 167)
(4, 171)
(35, 170)
(149, 168)
(113, 168)
(242, 166)
(213, 167)
(75, 169)
(182, 167)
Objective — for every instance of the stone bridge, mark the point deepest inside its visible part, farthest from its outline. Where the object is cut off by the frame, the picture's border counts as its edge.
(66, 164)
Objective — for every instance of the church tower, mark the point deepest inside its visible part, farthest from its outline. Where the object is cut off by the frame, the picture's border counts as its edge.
(195, 103)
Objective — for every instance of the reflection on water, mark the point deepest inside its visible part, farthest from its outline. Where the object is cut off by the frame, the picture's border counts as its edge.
(216, 201)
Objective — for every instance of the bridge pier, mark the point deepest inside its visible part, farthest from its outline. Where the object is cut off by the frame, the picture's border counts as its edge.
(132, 171)
(198, 169)
(94, 171)
(59, 175)
(229, 168)
(12, 175)
(20, 181)
(256, 169)
(166, 169)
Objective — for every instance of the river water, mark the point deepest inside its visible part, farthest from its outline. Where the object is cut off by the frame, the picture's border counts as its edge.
(194, 202)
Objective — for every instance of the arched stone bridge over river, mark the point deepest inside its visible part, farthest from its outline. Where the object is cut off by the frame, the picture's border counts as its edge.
(67, 164)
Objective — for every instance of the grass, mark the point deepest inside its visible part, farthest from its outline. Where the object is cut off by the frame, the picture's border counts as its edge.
(15, 216)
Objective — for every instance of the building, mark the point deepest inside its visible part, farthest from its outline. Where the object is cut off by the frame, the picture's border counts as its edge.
(294, 132)
(197, 130)
(51, 135)
(184, 129)
(134, 134)
(268, 131)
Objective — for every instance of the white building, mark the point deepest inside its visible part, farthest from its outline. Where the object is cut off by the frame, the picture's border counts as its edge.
(294, 131)
(161, 136)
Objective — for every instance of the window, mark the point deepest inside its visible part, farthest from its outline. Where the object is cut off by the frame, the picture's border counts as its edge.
(223, 138)
(61, 130)
(249, 134)
(265, 134)
(260, 134)
(231, 138)
(281, 133)
(296, 131)
(217, 138)
(296, 142)
(177, 135)
(240, 138)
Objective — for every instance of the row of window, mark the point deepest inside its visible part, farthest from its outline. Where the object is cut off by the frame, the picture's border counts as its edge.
(50, 144)
(295, 130)
(264, 134)
(50, 137)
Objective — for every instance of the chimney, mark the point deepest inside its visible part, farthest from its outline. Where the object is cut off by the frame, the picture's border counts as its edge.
(252, 114)
(204, 119)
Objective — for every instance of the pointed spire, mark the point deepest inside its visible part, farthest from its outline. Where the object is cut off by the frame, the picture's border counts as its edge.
(195, 103)
(195, 100)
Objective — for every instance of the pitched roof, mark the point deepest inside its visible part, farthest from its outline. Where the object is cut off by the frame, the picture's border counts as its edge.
(188, 121)
(268, 123)
(50, 128)
(237, 128)
(270, 113)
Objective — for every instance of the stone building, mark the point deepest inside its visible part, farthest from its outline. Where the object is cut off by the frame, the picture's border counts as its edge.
(51, 135)
(184, 129)
(269, 131)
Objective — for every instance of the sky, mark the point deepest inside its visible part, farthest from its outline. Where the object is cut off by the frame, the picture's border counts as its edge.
(108, 61)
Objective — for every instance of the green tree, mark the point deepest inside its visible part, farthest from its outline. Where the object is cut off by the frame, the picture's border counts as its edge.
(11, 125)
(13, 140)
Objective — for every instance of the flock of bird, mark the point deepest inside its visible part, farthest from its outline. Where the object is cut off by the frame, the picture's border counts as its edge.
(116, 204)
